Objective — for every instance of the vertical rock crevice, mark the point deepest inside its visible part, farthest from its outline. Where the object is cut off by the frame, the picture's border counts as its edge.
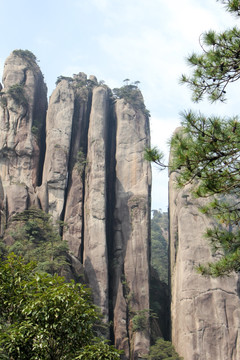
(110, 200)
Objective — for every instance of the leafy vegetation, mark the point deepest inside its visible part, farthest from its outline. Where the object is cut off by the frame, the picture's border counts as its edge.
(159, 244)
(61, 77)
(25, 54)
(100, 350)
(163, 350)
(206, 151)
(44, 318)
(81, 162)
(132, 95)
(140, 321)
(18, 94)
(3, 100)
(32, 235)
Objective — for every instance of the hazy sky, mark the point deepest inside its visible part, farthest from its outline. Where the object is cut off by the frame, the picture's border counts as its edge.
(145, 40)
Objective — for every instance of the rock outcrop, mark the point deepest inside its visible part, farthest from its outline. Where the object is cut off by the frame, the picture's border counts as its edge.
(205, 311)
(22, 120)
(82, 161)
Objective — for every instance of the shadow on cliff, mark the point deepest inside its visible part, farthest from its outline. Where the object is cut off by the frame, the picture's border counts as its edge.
(238, 285)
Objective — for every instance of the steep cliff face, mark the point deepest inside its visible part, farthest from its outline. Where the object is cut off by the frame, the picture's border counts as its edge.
(131, 215)
(205, 311)
(22, 116)
(86, 168)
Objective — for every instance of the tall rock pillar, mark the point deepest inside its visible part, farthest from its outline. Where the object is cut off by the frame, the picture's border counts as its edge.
(131, 237)
(23, 104)
(95, 242)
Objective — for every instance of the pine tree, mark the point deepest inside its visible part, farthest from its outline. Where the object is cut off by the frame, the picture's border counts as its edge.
(206, 152)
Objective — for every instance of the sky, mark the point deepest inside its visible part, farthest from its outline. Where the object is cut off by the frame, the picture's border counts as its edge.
(142, 40)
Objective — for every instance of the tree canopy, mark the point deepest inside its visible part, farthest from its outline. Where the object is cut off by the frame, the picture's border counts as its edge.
(163, 350)
(159, 245)
(206, 151)
(33, 235)
(43, 317)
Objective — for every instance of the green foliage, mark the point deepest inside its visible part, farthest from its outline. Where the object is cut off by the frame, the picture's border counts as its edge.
(206, 151)
(163, 350)
(232, 6)
(35, 131)
(61, 77)
(81, 162)
(159, 245)
(25, 54)
(32, 235)
(216, 67)
(44, 318)
(132, 95)
(100, 350)
(156, 156)
(140, 321)
(18, 94)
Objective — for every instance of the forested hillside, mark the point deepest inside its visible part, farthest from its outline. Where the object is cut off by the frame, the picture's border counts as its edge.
(159, 243)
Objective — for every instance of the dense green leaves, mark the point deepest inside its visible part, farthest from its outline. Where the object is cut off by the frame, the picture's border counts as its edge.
(206, 150)
(206, 153)
(44, 318)
(159, 245)
(163, 350)
(100, 350)
(32, 235)
(153, 154)
(216, 67)
(132, 95)
(232, 6)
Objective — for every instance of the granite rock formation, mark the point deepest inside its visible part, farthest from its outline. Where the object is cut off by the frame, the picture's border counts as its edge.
(205, 311)
(81, 160)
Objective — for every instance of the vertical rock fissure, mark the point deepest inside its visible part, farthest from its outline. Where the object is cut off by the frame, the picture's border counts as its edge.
(42, 147)
(85, 149)
(127, 297)
(110, 193)
(39, 122)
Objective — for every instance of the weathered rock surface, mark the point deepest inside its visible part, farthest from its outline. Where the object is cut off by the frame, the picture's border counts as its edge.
(22, 117)
(58, 140)
(83, 163)
(205, 311)
(95, 250)
(131, 216)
